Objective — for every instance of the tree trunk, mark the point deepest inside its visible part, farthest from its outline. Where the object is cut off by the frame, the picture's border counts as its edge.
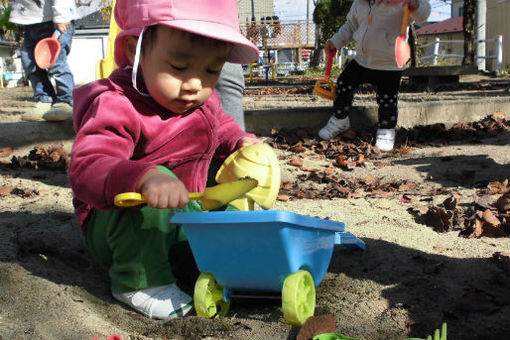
(468, 22)
(316, 53)
(413, 41)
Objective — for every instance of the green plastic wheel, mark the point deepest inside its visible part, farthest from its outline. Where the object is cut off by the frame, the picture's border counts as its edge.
(208, 297)
(298, 297)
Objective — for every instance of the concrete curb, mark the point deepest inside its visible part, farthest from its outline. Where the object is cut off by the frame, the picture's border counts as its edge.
(410, 115)
(261, 122)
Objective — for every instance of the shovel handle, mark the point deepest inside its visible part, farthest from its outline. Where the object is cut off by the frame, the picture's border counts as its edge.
(56, 34)
(405, 19)
(131, 199)
(329, 62)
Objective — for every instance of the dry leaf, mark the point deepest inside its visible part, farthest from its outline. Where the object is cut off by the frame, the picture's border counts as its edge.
(371, 180)
(349, 134)
(5, 190)
(483, 228)
(316, 325)
(381, 164)
(421, 209)
(7, 151)
(283, 198)
(404, 150)
(498, 187)
(450, 203)
(405, 199)
(298, 148)
(440, 249)
(439, 219)
(296, 161)
(407, 187)
(489, 217)
(503, 203)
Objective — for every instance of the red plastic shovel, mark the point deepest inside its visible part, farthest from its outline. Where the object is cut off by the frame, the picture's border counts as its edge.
(402, 48)
(47, 50)
(324, 87)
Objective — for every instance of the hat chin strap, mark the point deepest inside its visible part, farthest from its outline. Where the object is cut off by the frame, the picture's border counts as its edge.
(136, 63)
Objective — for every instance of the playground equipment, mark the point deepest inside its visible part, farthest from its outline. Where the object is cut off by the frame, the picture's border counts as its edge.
(106, 66)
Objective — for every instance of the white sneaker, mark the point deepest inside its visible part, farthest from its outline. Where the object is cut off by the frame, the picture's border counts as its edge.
(163, 302)
(36, 112)
(59, 112)
(385, 139)
(334, 127)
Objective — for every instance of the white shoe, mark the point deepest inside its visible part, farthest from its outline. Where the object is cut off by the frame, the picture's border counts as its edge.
(385, 139)
(163, 302)
(334, 127)
(37, 112)
(59, 112)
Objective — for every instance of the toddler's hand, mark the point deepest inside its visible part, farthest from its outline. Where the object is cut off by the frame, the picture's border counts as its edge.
(413, 4)
(245, 141)
(162, 191)
(62, 27)
(330, 47)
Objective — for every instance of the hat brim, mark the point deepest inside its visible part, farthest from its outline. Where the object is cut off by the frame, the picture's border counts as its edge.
(243, 51)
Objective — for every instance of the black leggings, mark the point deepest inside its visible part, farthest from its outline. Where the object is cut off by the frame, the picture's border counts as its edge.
(387, 84)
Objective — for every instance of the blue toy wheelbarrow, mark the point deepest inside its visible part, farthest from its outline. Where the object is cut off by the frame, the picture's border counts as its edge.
(269, 250)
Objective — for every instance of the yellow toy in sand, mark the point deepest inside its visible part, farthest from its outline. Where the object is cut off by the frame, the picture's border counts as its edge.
(256, 161)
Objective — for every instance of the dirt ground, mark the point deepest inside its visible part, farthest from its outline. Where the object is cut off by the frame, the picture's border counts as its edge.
(410, 279)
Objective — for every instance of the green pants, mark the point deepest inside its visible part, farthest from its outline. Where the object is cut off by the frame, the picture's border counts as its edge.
(135, 243)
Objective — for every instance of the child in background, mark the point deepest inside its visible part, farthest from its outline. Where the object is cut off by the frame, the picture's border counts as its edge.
(39, 20)
(374, 25)
(153, 127)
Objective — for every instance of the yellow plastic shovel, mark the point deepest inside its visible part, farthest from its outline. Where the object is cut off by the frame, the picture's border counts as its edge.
(212, 197)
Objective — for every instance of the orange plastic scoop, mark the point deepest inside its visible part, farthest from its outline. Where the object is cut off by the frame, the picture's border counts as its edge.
(324, 87)
(402, 48)
(47, 50)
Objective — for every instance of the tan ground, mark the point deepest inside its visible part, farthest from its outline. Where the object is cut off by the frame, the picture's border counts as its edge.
(408, 281)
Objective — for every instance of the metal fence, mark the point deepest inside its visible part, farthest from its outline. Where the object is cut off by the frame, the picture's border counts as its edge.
(438, 56)
(285, 46)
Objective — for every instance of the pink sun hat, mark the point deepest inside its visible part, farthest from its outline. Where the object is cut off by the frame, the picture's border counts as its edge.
(217, 19)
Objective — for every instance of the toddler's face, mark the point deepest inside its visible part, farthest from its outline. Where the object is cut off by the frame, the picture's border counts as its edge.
(181, 71)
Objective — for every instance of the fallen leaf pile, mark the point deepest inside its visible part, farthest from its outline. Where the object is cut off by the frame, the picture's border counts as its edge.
(437, 133)
(489, 215)
(23, 193)
(279, 90)
(334, 185)
(53, 158)
(351, 148)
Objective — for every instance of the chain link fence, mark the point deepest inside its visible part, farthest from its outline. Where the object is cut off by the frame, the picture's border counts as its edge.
(285, 46)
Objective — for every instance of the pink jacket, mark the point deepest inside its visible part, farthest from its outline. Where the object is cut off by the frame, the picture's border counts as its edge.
(121, 134)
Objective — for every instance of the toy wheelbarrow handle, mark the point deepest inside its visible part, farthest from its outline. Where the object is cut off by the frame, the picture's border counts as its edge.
(349, 240)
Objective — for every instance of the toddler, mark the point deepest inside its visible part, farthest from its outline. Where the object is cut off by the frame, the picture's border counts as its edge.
(153, 127)
(374, 25)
